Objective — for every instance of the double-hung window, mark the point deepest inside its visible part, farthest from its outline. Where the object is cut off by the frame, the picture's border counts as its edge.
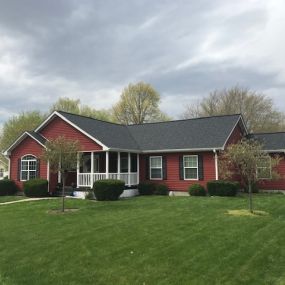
(190, 167)
(264, 168)
(155, 166)
(28, 167)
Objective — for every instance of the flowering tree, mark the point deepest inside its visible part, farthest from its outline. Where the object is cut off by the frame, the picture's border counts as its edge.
(250, 162)
(61, 154)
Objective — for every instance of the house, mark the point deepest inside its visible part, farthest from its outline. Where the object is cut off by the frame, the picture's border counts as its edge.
(274, 144)
(3, 168)
(177, 153)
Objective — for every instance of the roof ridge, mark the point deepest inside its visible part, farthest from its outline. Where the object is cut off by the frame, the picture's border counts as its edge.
(180, 120)
(88, 117)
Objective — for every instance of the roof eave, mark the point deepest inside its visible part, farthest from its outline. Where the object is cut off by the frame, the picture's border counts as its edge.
(56, 113)
(7, 152)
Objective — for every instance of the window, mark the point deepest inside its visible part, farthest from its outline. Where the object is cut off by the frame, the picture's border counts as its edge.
(190, 166)
(1, 172)
(28, 167)
(155, 163)
(264, 169)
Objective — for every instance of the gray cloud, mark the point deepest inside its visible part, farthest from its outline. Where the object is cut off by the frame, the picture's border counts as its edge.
(92, 49)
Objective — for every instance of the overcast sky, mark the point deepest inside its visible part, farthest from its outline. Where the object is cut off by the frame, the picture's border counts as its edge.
(92, 49)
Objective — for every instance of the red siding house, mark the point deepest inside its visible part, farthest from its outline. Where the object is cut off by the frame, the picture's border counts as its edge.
(177, 153)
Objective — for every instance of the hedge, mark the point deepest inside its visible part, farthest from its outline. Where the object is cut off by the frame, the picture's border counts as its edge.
(197, 190)
(8, 187)
(222, 188)
(36, 188)
(161, 189)
(146, 188)
(108, 189)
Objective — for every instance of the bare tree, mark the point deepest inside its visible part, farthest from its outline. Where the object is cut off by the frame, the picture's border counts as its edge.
(257, 109)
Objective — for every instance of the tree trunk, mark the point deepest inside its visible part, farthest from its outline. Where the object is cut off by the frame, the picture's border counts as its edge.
(63, 191)
(250, 197)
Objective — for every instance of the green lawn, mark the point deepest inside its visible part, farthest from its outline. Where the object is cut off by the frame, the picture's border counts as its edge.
(148, 240)
(4, 199)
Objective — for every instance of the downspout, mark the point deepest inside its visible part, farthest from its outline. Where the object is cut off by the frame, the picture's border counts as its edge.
(216, 164)
(9, 167)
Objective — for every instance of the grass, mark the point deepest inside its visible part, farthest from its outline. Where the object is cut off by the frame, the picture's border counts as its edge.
(4, 199)
(146, 240)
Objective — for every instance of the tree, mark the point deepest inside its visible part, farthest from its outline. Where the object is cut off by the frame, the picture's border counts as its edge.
(257, 109)
(61, 154)
(139, 103)
(15, 126)
(74, 106)
(248, 160)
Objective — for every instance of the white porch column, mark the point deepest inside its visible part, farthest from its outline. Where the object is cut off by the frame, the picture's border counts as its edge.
(119, 165)
(138, 168)
(107, 164)
(77, 170)
(216, 165)
(129, 168)
(92, 169)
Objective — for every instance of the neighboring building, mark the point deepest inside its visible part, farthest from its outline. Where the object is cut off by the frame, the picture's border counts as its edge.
(177, 153)
(3, 169)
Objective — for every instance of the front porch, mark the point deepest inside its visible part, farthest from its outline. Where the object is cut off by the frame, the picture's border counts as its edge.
(95, 166)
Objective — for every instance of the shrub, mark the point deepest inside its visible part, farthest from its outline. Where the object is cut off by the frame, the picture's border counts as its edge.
(108, 190)
(161, 189)
(8, 187)
(36, 188)
(254, 188)
(222, 188)
(197, 190)
(146, 188)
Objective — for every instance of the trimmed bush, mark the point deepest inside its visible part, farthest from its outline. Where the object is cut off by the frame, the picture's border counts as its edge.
(254, 188)
(36, 188)
(108, 190)
(8, 187)
(197, 190)
(222, 188)
(146, 188)
(161, 189)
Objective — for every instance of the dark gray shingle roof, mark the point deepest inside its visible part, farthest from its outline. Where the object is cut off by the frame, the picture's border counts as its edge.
(200, 133)
(110, 134)
(271, 141)
(37, 137)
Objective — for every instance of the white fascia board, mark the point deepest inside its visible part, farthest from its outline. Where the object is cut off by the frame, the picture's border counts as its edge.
(55, 113)
(240, 118)
(19, 140)
(183, 150)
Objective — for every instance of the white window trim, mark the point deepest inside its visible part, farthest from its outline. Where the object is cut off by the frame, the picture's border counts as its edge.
(28, 170)
(263, 167)
(155, 168)
(193, 179)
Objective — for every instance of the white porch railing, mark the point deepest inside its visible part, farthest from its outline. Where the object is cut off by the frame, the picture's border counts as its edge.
(87, 179)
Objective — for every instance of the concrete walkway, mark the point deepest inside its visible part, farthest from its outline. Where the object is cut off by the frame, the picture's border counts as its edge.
(27, 200)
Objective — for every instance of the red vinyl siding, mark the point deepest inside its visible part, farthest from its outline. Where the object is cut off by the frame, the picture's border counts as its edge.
(276, 184)
(235, 136)
(173, 181)
(27, 146)
(58, 127)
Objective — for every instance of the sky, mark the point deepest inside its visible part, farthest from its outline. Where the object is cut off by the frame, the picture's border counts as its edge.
(90, 50)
